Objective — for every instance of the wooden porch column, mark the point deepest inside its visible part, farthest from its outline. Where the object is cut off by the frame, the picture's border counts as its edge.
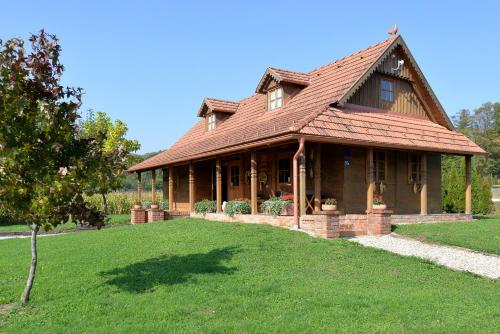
(164, 184)
(423, 180)
(153, 186)
(191, 187)
(139, 186)
(468, 187)
(218, 185)
(302, 182)
(369, 180)
(253, 183)
(317, 177)
(170, 188)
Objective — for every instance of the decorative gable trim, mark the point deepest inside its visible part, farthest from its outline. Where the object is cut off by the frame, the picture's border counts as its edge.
(281, 76)
(216, 105)
(439, 112)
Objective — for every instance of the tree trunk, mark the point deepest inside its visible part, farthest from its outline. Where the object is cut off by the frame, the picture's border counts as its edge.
(31, 277)
(105, 201)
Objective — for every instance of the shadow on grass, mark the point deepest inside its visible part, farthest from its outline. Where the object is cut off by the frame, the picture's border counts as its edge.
(143, 276)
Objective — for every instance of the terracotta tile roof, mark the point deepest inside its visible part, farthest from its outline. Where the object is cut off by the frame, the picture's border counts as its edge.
(281, 75)
(217, 105)
(252, 122)
(360, 125)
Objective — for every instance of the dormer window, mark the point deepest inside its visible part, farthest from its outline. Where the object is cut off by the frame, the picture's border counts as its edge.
(275, 98)
(211, 119)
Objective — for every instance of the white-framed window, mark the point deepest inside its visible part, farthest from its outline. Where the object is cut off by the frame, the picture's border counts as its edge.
(211, 121)
(386, 90)
(275, 98)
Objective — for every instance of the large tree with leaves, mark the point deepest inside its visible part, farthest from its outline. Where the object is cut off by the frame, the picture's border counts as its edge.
(44, 161)
(108, 174)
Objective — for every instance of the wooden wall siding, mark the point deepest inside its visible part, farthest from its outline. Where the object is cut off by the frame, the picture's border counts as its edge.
(181, 187)
(354, 186)
(203, 180)
(405, 101)
(332, 173)
(391, 62)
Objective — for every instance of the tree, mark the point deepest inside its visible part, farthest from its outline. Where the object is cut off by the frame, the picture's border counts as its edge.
(43, 159)
(108, 174)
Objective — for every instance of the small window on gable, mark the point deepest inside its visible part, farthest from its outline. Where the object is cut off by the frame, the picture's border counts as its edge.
(211, 119)
(414, 172)
(386, 90)
(275, 98)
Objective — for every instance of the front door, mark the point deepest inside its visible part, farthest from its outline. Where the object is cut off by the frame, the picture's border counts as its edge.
(234, 186)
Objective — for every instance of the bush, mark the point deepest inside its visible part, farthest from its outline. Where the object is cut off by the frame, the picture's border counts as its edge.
(275, 205)
(331, 201)
(122, 202)
(205, 206)
(237, 207)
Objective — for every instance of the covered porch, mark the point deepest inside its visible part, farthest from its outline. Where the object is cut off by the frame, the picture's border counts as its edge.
(311, 171)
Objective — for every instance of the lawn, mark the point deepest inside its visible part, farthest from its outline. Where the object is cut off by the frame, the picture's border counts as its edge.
(191, 275)
(114, 220)
(482, 235)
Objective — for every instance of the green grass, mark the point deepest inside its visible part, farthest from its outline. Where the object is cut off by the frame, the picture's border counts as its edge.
(114, 220)
(482, 235)
(191, 275)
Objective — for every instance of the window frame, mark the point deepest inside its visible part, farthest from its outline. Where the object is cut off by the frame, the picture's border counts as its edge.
(383, 91)
(376, 169)
(270, 98)
(279, 170)
(211, 121)
(418, 168)
(234, 178)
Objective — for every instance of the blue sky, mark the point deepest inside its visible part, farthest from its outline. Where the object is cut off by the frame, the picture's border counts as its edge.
(150, 63)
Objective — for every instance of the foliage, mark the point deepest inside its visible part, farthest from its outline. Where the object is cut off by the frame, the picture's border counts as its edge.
(108, 174)
(274, 206)
(378, 199)
(205, 206)
(120, 202)
(481, 235)
(331, 201)
(237, 207)
(130, 179)
(482, 125)
(453, 185)
(213, 273)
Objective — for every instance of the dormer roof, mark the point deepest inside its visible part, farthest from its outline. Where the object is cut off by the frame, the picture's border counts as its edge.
(216, 105)
(281, 76)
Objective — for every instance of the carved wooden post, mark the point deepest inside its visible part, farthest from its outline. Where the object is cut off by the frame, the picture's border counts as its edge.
(191, 187)
(370, 183)
(139, 187)
(302, 182)
(317, 177)
(218, 186)
(170, 188)
(253, 183)
(423, 180)
(153, 186)
(164, 185)
(468, 186)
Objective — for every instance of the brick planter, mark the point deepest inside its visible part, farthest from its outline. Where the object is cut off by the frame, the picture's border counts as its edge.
(325, 224)
(155, 215)
(379, 222)
(138, 216)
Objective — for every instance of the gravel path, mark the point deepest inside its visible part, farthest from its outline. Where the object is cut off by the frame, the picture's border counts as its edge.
(20, 236)
(452, 257)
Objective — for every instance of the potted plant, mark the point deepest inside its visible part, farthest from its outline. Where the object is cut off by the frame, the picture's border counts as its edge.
(287, 209)
(137, 205)
(155, 206)
(278, 206)
(378, 202)
(330, 205)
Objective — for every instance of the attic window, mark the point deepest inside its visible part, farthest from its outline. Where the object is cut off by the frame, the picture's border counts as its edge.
(386, 90)
(275, 98)
(211, 121)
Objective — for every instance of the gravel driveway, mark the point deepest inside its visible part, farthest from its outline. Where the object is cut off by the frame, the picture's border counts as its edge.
(452, 257)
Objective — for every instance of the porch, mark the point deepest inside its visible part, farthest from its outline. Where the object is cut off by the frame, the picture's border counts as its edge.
(311, 171)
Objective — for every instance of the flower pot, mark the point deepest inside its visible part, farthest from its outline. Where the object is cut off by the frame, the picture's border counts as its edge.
(137, 206)
(380, 206)
(329, 207)
(287, 210)
(155, 206)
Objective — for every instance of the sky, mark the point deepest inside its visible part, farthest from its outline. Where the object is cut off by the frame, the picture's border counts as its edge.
(151, 63)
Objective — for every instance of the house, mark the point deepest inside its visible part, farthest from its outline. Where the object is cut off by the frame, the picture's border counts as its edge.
(366, 124)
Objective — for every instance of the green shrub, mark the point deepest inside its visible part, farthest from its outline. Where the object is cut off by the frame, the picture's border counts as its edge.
(274, 206)
(237, 207)
(205, 206)
(121, 202)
